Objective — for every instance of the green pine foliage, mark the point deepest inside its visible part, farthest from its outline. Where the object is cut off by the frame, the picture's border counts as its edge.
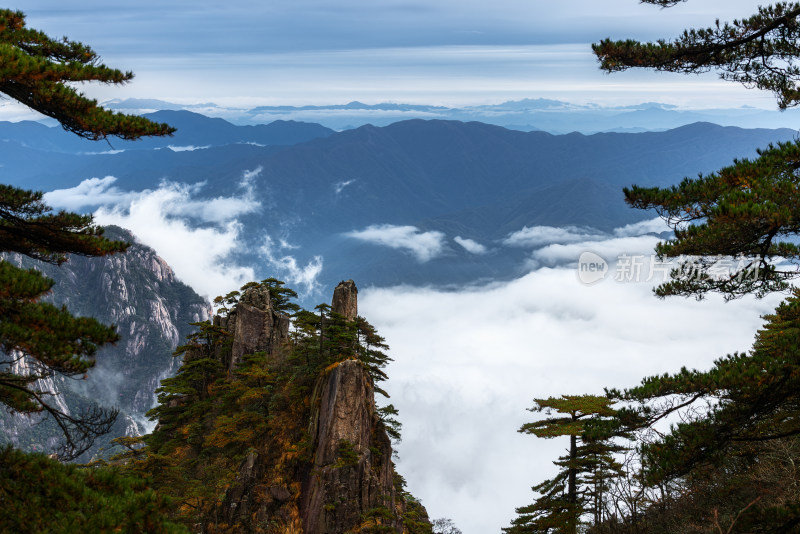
(759, 51)
(747, 212)
(577, 491)
(35, 70)
(754, 397)
(727, 463)
(280, 296)
(39, 494)
(414, 516)
(38, 339)
(41, 338)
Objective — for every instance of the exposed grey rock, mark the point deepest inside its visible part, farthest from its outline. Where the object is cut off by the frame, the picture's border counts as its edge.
(255, 326)
(352, 470)
(138, 292)
(345, 300)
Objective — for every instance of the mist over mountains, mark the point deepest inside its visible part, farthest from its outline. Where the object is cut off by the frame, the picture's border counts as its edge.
(415, 202)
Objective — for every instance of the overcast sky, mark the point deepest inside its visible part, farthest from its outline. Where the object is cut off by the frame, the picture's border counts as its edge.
(444, 52)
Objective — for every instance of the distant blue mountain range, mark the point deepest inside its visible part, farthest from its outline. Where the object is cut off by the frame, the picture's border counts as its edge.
(552, 116)
(418, 201)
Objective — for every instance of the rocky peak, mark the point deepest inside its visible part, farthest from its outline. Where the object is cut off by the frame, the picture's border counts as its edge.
(138, 292)
(348, 475)
(345, 300)
(352, 471)
(255, 326)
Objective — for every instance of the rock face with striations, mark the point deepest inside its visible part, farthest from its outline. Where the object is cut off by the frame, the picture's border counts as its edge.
(254, 326)
(138, 292)
(338, 492)
(345, 300)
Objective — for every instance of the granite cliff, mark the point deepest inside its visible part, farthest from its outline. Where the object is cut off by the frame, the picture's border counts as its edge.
(138, 292)
(286, 414)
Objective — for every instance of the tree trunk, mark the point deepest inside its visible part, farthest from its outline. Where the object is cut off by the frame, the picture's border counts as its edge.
(572, 490)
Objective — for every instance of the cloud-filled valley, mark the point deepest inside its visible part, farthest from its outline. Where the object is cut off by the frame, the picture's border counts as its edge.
(469, 362)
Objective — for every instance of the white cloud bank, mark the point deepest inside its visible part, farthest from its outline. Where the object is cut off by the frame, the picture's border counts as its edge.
(423, 245)
(539, 236)
(179, 199)
(199, 256)
(91, 192)
(610, 249)
(467, 364)
(654, 226)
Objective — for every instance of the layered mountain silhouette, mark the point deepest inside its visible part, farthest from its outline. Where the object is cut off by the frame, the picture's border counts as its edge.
(316, 187)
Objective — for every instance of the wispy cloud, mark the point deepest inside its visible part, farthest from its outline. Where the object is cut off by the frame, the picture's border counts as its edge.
(339, 186)
(200, 257)
(187, 148)
(289, 268)
(654, 226)
(553, 246)
(181, 200)
(424, 245)
(91, 192)
(536, 236)
(470, 245)
(249, 176)
(557, 254)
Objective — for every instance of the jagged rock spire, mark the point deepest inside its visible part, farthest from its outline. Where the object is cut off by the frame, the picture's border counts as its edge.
(345, 300)
(255, 326)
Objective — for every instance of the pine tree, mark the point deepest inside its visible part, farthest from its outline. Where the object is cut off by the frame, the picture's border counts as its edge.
(35, 70)
(760, 51)
(754, 397)
(745, 213)
(38, 339)
(42, 495)
(729, 418)
(577, 489)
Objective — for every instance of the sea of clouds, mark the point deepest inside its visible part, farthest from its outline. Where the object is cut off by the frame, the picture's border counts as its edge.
(468, 363)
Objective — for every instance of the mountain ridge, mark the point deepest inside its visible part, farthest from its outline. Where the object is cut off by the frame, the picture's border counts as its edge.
(526, 114)
(441, 178)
